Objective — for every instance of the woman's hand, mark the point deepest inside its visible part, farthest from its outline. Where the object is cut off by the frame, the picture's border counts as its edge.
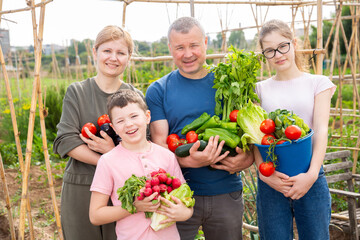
(301, 184)
(146, 205)
(278, 181)
(175, 211)
(97, 144)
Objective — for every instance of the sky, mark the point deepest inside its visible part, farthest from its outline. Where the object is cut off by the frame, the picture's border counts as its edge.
(83, 19)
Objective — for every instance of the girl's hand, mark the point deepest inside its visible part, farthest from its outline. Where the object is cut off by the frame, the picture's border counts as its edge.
(301, 185)
(175, 211)
(146, 205)
(97, 144)
(278, 181)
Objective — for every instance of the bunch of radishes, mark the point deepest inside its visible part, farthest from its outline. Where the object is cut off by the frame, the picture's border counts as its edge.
(160, 182)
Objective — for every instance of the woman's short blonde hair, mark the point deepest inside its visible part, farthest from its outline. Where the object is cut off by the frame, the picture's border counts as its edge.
(112, 32)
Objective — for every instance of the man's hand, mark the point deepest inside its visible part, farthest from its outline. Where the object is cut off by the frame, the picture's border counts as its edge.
(237, 163)
(210, 155)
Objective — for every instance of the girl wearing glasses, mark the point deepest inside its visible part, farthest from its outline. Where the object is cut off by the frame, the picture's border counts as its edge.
(305, 196)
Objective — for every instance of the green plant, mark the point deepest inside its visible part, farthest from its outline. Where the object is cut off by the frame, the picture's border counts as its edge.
(249, 195)
(54, 101)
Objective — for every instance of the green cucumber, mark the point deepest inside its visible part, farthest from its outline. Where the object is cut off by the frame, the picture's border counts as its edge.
(183, 150)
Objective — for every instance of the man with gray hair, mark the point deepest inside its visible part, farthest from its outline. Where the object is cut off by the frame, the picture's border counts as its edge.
(176, 100)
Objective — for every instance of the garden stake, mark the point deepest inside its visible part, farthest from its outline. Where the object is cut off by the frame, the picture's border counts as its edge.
(16, 135)
(36, 84)
(7, 199)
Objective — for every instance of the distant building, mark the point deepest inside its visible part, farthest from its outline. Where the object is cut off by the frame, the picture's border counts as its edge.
(48, 51)
(5, 41)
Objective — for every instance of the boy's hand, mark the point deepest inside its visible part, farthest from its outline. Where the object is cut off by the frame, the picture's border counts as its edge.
(175, 211)
(146, 205)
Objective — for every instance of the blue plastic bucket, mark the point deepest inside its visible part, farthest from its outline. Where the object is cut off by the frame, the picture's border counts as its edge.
(292, 158)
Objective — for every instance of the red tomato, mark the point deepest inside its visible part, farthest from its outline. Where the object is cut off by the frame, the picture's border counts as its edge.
(182, 142)
(266, 168)
(103, 119)
(91, 127)
(171, 137)
(281, 142)
(293, 132)
(233, 115)
(191, 137)
(173, 144)
(267, 126)
(267, 139)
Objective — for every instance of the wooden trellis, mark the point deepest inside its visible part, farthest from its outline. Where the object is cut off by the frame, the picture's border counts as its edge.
(352, 61)
(36, 96)
(90, 66)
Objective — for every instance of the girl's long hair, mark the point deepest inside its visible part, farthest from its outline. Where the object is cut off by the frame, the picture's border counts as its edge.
(284, 30)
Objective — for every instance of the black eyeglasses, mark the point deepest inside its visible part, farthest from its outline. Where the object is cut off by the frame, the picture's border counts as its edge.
(282, 48)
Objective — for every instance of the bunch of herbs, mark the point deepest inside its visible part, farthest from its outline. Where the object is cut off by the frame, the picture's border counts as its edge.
(235, 81)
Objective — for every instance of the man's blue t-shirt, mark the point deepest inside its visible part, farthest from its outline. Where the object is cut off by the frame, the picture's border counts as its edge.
(180, 100)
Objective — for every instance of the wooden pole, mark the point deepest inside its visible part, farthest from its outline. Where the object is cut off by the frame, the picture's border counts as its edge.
(333, 57)
(192, 8)
(319, 44)
(124, 14)
(215, 56)
(79, 74)
(7, 199)
(67, 65)
(42, 111)
(25, 177)
(16, 136)
(90, 66)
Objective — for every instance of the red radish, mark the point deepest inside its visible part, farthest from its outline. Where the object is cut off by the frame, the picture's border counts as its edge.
(155, 181)
(161, 170)
(148, 185)
(154, 173)
(176, 183)
(169, 189)
(141, 196)
(169, 181)
(162, 177)
(148, 192)
(162, 187)
(156, 188)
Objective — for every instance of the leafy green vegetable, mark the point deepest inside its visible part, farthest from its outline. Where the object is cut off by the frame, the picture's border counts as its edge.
(249, 119)
(129, 191)
(284, 118)
(183, 193)
(235, 81)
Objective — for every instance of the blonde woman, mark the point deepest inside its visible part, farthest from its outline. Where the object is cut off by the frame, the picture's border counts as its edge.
(84, 102)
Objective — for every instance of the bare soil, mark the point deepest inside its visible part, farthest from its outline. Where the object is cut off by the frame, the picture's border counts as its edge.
(43, 217)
